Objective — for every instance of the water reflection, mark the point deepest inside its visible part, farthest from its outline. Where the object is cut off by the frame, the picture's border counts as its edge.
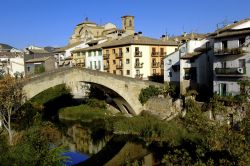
(81, 138)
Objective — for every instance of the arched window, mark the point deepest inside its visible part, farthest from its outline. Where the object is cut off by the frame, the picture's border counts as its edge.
(130, 23)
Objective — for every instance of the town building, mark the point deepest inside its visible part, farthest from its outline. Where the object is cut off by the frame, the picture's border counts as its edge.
(64, 55)
(87, 31)
(189, 67)
(8, 48)
(231, 61)
(137, 56)
(90, 57)
(40, 65)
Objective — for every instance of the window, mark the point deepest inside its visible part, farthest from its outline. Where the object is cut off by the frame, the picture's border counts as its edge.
(89, 53)
(121, 72)
(99, 64)
(107, 51)
(169, 62)
(153, 49)
(224, 44)
(99, 53)
(223, 64)
(28, 68)
(137, 49)
(114, 62)
(242, 41)
(95, 64)
(127, 61)
(162, 51)
(90, 65)
(242, 63)
(94, 53)
(127, 49)
(137, 72)
(154, 71)
(113, 51)
(130, 23)
(114, 71)
(128, 72)
(170, 74)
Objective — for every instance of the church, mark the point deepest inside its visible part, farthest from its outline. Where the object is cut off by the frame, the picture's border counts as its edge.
(89, 31)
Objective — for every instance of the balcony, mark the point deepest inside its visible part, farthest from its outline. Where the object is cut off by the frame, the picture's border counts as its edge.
(238, 72)
(119, 55)
(139, 76)
(106, 67)
(138, 54)
(162, 54)
(138, 65)
(106, 56)
(120, 66)
(155, 64)
(233, 51)
(154, 54)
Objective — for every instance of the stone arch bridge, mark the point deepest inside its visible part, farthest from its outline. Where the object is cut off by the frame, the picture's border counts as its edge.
(127, 88)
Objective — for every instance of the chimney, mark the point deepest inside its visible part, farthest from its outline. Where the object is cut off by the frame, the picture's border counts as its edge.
(164, 38)
(119, 36)
(140, 33)
(135, 36)
(184, 34)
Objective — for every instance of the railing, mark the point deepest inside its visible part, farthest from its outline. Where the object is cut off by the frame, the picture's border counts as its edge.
(230, 71)
(106, 56)
(233, 51)
(138, 54)
(155, 65)
(163, 53)
(154, 54)
(120, 66)
(119, 55)
(138, 65)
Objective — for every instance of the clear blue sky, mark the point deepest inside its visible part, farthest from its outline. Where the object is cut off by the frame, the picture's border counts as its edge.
(51, 22)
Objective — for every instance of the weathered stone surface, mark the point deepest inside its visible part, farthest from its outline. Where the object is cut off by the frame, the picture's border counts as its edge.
(128, 88)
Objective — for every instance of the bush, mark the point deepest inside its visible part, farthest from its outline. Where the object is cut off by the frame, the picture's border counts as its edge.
(147, 93)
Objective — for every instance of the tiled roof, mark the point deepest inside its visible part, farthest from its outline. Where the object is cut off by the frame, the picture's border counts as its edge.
(62, 49)
(9, 54)
(228, 27)
(95, 47)
(38, 51)
(232, 33)
(139, 40)
(42, 59)
(5, 46)
(191, 55)
(189, 36)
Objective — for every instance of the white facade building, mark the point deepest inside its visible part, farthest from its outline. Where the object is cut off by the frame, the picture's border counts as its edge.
(231, 58)
(16, 66)
(189, 67)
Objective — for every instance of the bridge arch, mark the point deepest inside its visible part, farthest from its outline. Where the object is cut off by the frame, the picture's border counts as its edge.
(128, 88)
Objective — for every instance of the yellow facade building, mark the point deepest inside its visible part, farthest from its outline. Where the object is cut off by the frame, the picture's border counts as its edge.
(137, 56)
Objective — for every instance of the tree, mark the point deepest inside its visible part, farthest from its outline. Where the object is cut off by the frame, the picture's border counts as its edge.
(11, 97)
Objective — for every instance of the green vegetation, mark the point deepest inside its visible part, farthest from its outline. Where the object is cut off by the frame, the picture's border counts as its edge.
(93, 109)
(151, 91)
(39, 69)
(147, 93)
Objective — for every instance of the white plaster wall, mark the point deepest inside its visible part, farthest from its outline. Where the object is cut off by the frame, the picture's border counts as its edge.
(232, 87)
(175, 59)
(16, 65)
(242, 26)
(94, 58)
